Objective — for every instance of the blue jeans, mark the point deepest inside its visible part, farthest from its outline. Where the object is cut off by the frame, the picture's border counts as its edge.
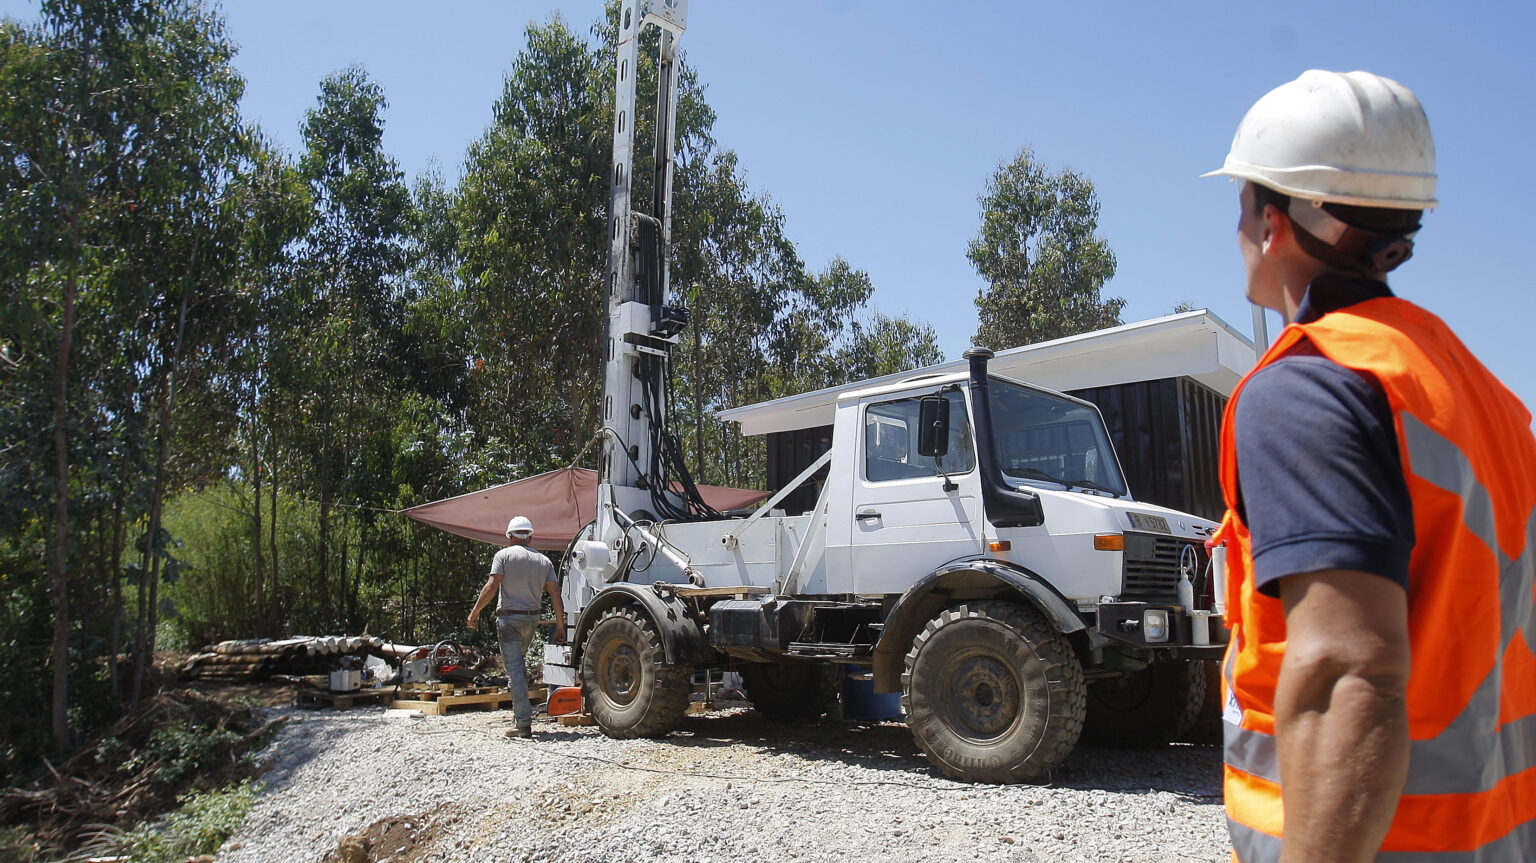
(515, 631)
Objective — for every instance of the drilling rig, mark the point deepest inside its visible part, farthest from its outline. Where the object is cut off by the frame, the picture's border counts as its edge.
(973, 545)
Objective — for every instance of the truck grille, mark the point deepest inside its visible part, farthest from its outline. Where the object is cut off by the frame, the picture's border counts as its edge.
(1152, 566)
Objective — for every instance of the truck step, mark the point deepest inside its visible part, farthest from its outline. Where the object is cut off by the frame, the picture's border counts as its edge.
(811, 649)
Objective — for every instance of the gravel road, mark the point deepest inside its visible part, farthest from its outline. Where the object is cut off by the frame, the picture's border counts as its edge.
(369, 785)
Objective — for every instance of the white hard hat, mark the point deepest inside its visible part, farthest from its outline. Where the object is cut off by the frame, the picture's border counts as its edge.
(1346, 138)
(521, 526)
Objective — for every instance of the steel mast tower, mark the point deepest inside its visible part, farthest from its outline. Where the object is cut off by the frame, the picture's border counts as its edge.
(641, 329)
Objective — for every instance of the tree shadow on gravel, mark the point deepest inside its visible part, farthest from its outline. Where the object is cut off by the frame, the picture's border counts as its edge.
(884, 746)
(1187, 771)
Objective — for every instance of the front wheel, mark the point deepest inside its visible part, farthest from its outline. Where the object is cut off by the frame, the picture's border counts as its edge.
(1147, 708)
(993, 693)
(625, 680)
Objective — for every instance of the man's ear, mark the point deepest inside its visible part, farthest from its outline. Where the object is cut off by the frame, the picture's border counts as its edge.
(1275, 227)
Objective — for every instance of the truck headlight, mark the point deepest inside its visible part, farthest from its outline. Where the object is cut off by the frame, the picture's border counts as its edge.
(1154, 624)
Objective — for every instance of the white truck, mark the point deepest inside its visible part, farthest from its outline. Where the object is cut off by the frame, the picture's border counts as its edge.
(972, 546)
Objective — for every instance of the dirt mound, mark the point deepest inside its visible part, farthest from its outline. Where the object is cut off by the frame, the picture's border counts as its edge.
(399, 839)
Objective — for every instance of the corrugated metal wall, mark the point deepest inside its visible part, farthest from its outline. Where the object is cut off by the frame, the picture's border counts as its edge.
(1167, 432)
(1168, 435)
(791, 452)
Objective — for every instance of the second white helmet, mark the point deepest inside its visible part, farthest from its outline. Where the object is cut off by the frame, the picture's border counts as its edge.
(1345, 138)
(520, 526)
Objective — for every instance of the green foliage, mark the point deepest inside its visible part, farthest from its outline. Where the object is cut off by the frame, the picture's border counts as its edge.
(123, 135)
(1038, 250)
(200, 826)
(270, 353)
(180, 752)
(18, 845)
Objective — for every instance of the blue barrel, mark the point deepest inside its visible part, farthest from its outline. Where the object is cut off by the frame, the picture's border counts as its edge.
(860, 701)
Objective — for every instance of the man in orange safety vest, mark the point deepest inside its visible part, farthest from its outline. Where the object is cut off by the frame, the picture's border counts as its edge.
(1379, 688)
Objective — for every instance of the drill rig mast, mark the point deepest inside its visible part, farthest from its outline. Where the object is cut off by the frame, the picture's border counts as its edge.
(642, 477)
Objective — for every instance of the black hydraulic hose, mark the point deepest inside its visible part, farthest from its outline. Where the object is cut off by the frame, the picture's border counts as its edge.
(667, 466)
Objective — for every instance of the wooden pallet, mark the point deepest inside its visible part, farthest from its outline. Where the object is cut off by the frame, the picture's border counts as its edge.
(341, 700)
(439, 700)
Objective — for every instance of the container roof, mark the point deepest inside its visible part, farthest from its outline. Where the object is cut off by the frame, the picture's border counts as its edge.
(1197, 345)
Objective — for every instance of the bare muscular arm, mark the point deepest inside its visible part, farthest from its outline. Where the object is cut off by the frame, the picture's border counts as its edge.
(1340, 718)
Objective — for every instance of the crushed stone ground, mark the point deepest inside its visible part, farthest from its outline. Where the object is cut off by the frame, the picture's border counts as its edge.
(369, 785)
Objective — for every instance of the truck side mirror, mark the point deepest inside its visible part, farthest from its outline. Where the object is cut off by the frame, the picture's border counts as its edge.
(933, 426)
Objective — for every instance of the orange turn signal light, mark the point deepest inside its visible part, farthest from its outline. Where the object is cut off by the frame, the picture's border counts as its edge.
(999, 545)
(1109, 542)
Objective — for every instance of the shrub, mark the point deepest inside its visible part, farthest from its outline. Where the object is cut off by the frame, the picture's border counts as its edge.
(200, 826)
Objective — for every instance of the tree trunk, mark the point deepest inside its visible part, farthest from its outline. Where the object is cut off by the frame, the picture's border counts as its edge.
(325, 512)
(157, 497)
(97, 564)
(355, 599)
(261, 604)
(57, 579)
(115, 683)
(276, 620)
(142, 594)
(342, 611)
(325, 551)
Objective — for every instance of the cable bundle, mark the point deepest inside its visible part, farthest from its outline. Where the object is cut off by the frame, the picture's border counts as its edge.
(667, 469)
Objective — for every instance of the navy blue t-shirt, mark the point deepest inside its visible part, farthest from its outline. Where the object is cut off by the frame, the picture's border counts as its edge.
(1320, 482)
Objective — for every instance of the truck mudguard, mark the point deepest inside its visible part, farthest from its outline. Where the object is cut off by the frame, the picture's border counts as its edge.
(928, 597)
(681, 637)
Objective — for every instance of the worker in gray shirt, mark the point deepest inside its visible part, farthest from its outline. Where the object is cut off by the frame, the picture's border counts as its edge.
(518, 574)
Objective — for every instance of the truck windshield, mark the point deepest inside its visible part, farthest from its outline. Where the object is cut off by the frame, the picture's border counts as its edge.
(1046, 437)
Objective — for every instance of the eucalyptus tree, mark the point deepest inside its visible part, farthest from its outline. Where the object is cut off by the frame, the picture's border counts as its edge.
(1041, 256)
(122, 128)
(273, 204)
(735, 270)
(342, 358)
(530, 217)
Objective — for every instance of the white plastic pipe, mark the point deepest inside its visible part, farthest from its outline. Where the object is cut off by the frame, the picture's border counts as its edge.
(1219, 579)
(1200, 628)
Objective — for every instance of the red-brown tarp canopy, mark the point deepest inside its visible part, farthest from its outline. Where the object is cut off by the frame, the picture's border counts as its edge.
(559, 503)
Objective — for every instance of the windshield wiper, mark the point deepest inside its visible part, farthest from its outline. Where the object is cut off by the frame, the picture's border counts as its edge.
(1031, 473)
(1088, 483)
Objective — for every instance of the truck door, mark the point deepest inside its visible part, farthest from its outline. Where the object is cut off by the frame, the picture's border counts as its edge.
(904, 521)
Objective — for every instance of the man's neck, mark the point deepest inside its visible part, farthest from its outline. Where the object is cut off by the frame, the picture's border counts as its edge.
(1299, 280)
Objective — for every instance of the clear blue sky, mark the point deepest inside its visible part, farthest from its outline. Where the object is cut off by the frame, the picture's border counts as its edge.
(874, 125)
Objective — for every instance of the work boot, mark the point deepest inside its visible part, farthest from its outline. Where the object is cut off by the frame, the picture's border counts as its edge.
(522, 731)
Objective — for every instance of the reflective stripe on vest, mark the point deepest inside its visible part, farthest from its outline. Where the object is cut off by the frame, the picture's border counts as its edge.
(1253, 846)
(1471, 781)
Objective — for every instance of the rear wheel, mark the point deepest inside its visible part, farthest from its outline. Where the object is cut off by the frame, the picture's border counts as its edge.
(785, 691)
(993, 693)
(628, 686)
(1147, 708)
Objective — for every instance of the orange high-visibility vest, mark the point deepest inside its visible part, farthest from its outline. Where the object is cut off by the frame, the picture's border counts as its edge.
(1470, 462)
